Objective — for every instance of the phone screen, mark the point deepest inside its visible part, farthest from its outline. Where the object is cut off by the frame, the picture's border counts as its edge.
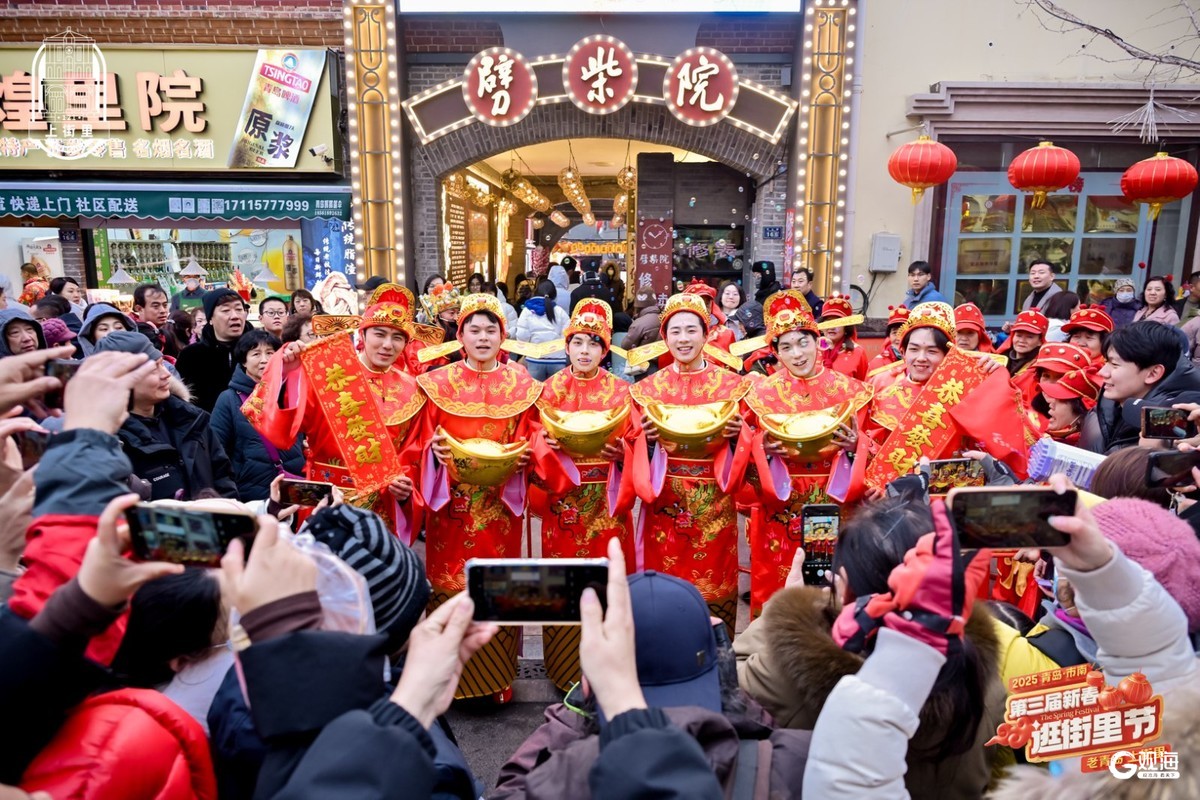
(1166, 423)
(303, 493)
(181, 536)
(63, 369)
(1009, 519)
(820, 526)
(533, 591)
(32, 446)
(1170, 468)
(944, 475)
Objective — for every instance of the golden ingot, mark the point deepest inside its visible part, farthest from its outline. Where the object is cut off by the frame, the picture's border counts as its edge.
(807, 433)
(583, 434)
(482, 462)
(691, 431)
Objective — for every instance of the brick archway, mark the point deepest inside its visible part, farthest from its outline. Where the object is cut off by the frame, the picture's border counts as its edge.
(723, 142)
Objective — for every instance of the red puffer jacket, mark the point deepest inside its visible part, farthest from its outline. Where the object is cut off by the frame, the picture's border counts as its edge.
(131, 744)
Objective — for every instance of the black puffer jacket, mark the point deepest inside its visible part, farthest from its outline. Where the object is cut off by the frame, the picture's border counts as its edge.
(206, 367)
(253, 466)
(193, 444)
(1121, 423)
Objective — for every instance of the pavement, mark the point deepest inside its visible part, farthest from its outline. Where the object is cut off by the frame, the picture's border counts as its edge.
(489, 733)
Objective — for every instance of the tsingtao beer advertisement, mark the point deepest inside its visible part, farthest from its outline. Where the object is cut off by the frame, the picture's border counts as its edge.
(279, 100)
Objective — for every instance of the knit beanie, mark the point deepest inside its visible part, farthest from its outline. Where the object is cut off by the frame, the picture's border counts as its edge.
(56, 332)
(1160, 542)
(394, 573)
(217, 297)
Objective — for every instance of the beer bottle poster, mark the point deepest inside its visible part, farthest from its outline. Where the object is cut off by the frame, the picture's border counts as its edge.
(275, 115)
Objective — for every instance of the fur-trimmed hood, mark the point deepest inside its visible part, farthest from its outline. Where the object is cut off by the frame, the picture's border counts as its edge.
(795, 642)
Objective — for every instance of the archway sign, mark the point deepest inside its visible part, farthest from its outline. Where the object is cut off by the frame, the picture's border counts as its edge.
(600, 75)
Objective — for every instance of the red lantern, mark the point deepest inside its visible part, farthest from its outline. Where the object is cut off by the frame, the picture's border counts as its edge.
(1109, 698)
(1158, 180)
(922, 164)
(1043, 169)
(1135, 689)
(1095, 679)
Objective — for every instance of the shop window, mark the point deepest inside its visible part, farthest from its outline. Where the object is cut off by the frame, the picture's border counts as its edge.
(1091, 237)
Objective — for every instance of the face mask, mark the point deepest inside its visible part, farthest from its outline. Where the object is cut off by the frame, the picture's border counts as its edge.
(191, 285)
(1124, 297)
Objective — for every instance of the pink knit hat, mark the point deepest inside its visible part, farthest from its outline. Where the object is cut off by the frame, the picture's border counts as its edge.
(1159, 541)
(56, 332)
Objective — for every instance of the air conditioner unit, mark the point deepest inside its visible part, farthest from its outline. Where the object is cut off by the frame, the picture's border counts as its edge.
(885, 252)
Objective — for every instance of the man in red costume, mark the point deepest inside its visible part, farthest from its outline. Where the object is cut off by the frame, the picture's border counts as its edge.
(477, 397)
(789, 482)
(355, 407)
(688, 523)
(583, 509)
(948, 401)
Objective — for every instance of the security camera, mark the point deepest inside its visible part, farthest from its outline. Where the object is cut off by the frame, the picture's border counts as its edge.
(319, 150)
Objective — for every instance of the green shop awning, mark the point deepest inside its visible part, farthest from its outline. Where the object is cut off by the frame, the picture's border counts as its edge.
(173, 201)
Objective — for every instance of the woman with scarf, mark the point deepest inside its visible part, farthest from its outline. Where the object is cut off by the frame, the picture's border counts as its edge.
(1027, 334)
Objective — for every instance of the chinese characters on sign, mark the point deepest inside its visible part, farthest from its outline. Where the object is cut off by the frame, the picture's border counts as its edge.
(278, 103)
(1070, 712)
(701, 86)
(455, 231)
(600, 74)
(654, 263)
(499, 86)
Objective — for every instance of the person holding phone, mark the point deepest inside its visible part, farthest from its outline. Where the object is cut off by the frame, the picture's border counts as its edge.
(947, 401)
(367, 446)
(476, 397)
(689, 520)
(803, 383)
(578, 521)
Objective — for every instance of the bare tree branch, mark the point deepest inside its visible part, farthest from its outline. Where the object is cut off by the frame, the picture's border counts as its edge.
(1068, 22)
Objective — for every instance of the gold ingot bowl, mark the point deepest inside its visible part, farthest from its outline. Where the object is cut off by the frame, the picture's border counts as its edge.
(482, 462)
(583, 434)
(808, 433)
(691, 431)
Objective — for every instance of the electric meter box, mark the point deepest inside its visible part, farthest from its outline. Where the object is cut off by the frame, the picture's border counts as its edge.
(885, 252)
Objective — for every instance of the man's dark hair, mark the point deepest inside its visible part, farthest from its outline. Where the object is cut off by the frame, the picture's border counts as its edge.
(170, 617)
(262, 304)
(143, 289)
(1148, 343)
(57, 284)
(939, 338)
(808, 273)
(1061, 305)
(57, 304)
(250, 340)
(920, 266)
(1037, 261)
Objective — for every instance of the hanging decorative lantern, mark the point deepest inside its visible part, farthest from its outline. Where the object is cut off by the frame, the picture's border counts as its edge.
(627, 178)
(537, 222)
(559, 219)
(1043, 169)
(922, 164)
(1158, 180)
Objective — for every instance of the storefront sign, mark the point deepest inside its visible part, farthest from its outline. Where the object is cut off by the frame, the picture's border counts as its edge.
(499, 87)
(600, 74)
(773, 232)
(654, 264)
(46, 200)
(140, 109)
(275, 114)
(701, 87)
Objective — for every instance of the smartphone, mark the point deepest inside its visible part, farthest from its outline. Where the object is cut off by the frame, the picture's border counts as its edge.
(1009, 518)
(63, 369)
(533, 591)
(32, 446)
(819, 525)
(184, 536)
(947, 473)
(303, 493)
(1167, 423)
(1170, 468)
